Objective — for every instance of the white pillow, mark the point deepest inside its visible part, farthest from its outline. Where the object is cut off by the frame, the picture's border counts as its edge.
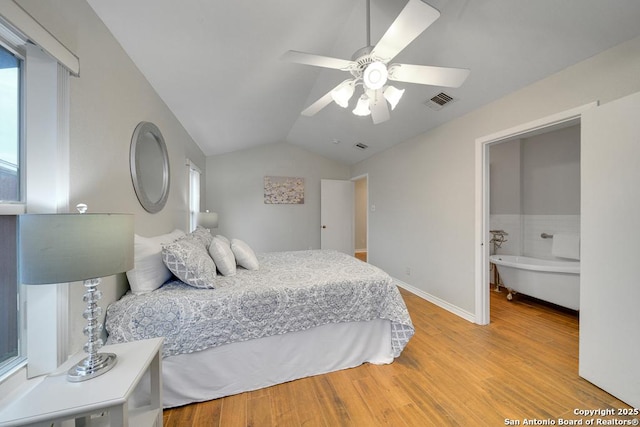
(149, 272)
(245, 257)
(224, 239)
(221, 253)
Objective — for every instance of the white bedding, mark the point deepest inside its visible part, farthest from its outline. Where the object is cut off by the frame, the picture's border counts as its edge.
(292, 291)
(302, 313)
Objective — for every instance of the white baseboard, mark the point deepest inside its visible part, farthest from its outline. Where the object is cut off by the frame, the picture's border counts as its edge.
(437, 301)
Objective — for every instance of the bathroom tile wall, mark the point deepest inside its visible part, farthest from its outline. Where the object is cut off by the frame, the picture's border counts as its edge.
(534, 225)
(512, 224)
(525, 230)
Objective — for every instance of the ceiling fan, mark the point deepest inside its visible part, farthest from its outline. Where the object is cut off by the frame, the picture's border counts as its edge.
(369, 68)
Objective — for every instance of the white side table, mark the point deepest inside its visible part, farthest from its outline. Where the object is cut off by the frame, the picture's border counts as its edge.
(56, 399)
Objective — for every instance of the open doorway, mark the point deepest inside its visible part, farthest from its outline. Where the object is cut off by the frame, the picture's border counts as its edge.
(534, 196)
(483, 202)
(361, 197)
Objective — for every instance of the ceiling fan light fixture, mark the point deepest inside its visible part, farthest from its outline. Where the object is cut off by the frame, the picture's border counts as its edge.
(343, 93)
(362, 109)
(375, 75)
(393, 95)
(369, 68)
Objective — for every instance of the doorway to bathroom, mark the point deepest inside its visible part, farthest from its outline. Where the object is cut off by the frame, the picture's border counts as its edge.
(534, 216)
(529, 166)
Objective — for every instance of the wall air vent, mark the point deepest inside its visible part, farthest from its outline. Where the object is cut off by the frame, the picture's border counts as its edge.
(361, 146)
(439, 101)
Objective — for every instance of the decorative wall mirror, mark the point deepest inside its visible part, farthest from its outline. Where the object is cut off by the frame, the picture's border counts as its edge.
(149, 162)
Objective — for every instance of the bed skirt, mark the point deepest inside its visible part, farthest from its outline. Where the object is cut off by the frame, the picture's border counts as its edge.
(250, 365)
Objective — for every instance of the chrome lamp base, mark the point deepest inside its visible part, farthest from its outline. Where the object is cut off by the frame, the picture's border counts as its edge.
(87, 369)
(95, 363)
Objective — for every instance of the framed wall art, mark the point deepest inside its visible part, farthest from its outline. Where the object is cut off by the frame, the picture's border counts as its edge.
(283, 190)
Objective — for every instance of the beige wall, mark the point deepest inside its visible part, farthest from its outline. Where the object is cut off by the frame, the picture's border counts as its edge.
(235, 190)
(107, 101)
(424, 189)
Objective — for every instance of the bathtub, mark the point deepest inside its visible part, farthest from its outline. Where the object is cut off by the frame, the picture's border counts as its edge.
(557, 282)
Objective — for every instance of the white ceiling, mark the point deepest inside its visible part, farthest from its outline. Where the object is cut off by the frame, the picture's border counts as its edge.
(217, 65)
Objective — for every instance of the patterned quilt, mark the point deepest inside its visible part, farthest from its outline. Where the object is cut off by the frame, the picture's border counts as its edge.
(292, 291)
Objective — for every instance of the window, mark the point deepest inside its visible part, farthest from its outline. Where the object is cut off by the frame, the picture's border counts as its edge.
(34, 130)
(11, 76)
(10, 124)
(194, 195)
(11, 352)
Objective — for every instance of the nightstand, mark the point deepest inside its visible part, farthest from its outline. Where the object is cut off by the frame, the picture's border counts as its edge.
(55, 399)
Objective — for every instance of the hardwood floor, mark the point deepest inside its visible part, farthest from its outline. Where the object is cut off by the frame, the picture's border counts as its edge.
(523, 366)
(361, 255)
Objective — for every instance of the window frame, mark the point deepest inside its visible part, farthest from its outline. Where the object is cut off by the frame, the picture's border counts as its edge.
(47, 68)
(44, 332)
(13, 208)
(21, 126)
(194, 193)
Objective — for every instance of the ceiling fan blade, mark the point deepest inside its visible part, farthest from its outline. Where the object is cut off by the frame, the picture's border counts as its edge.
(378, 106)
(318, 105)
(317, 60)
(427, 75)
(416, 17)
(326, 99)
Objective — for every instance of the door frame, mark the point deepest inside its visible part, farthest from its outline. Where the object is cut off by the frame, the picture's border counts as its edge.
(366, 211)
(482, 146)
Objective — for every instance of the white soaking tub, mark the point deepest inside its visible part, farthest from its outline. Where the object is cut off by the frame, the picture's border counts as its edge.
(554, 281)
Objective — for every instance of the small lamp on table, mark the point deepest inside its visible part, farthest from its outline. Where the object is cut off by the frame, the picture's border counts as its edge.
(61, 248)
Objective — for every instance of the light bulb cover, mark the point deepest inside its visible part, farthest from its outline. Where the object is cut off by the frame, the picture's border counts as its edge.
(343, 93)
(362, 108)
(393, 95)
(375, 75)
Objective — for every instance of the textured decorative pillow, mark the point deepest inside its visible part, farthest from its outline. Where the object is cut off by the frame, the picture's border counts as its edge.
(221, 253)
(245, 257)
(149, 272)
(189, 260)
(203, 235)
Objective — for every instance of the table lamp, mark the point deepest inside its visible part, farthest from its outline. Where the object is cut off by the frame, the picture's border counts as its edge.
(207, 219)
(61, 248)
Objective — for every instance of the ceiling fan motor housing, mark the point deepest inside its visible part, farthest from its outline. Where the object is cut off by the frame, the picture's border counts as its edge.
(375, 75)
(361, 59)
(371, 70)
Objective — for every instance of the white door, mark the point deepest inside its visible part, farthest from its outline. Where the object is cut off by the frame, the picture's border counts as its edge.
(610, 248)
(337, 215)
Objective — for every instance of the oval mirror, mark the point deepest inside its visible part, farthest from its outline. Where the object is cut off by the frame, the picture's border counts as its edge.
(149, 162)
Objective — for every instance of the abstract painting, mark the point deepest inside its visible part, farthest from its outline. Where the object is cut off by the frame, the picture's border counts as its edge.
(283, 190)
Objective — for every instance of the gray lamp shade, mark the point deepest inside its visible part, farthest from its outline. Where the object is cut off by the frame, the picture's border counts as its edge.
(207, 219)
(59, 248)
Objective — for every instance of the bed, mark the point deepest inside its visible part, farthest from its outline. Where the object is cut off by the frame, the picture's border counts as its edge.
(299, 314)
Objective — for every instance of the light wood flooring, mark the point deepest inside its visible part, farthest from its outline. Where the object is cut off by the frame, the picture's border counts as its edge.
(361, 255)
(523, 366)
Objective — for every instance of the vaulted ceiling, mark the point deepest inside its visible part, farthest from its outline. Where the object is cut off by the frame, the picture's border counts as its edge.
(217, 64)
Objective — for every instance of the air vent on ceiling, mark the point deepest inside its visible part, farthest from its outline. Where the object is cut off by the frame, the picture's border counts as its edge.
(439, 101)
(361, 146)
